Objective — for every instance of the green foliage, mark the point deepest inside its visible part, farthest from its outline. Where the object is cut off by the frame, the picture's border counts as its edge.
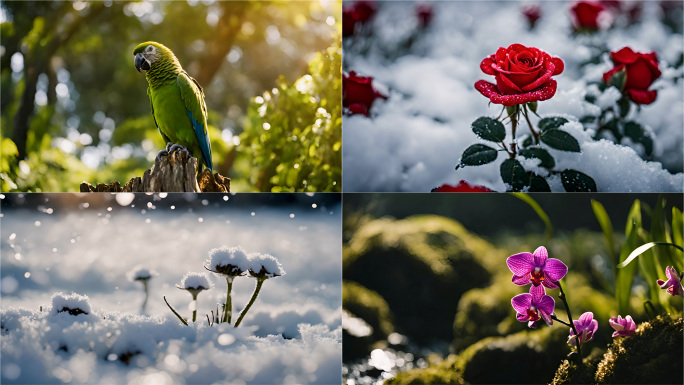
(639, 242)
(293, 134)
(477, 154)
(489, 129)
(369, 306)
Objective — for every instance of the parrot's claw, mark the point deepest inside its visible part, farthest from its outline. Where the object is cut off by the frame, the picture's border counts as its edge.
(162, 154)
(177, 147)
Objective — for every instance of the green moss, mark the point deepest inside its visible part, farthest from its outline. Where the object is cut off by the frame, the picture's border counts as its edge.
(368, 305)
(421, 266)
(528, 356)
(653, 355)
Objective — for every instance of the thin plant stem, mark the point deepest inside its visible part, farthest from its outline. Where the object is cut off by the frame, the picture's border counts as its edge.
(572, 324)
(527, 118)
(194, 311)
(553, 317)
(147, 294)
(260, 281)
(228, 307)
(175, 312)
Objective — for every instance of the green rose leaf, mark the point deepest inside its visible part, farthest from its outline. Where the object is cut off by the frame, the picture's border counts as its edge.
(539, 153)
(538, 184)
(513, 174)
(575, 181)
(560, 140)
(489, 129)
(636, 132)
(551, 123)
(478, 154)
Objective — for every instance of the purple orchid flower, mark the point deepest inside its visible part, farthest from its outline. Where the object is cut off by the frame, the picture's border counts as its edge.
(673, 284)
(624, 327)
(534, 306)
(586, 327)
(536, 268)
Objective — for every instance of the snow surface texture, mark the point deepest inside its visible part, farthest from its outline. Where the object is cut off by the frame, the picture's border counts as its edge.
(195, 281)
(415, 138)
(292, 333)
(266, 264)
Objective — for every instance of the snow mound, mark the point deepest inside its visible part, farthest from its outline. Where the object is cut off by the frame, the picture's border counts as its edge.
(73, 304)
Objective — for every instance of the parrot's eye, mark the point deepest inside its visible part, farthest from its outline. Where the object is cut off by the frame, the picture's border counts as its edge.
(149, 48)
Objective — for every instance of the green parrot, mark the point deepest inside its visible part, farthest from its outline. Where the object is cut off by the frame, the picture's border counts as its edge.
(177, 101)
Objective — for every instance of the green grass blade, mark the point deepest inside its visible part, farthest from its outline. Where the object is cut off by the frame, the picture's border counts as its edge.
(625, 275)
(540, 212)
(607, 227)
(678, 234)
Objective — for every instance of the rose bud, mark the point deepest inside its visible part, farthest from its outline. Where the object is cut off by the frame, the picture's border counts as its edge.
(640, 71)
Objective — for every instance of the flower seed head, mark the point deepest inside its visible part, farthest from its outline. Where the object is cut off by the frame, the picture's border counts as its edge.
(230, 261)
(140, 273)
(265, 266)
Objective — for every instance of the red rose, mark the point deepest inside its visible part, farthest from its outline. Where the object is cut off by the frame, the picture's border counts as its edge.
(641, 70)
(462, 186)
(533, 13)
(348, 23)
(362, 11)
(358, 93)
(523, 75)
(425, 14)
(585, 15)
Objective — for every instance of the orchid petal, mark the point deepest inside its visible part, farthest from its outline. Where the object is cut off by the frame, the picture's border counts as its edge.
(540, 256)
(520, 263)
(521, 302)
(521, 280)
(555, 270)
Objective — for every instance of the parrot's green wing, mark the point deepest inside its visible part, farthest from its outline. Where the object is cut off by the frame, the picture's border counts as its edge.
(166, 139)
(193, 98)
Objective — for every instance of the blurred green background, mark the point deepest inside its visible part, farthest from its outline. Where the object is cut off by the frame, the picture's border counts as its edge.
(74, 108)
(427, 276)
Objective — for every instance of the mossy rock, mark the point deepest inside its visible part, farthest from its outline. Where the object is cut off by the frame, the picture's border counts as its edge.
(529, 356)
(653, 355)
(368, 305)
(421, 266)
(486, 312)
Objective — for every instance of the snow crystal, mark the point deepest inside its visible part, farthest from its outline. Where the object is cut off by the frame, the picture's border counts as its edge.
(228, 260)
(265, 265)
(140, 273)
(195, 281)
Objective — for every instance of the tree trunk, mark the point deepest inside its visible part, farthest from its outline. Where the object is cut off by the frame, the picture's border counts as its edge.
(176, 172)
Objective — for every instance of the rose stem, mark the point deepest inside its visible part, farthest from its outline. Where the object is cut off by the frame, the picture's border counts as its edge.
(260, 281)
(228, 308)
(572, 324)
(514, 125)
(534, 133)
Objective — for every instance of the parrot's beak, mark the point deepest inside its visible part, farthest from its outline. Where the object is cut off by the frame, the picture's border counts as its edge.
(141, 63)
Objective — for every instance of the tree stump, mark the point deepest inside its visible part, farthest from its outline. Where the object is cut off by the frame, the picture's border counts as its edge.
(176, 172)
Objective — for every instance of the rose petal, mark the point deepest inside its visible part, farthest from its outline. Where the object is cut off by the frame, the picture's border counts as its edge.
(489, 90)
(506, 85)
(609, 74)
(555, 270)
(642, 97)
(624, 56)
(520, 263)
(549, 69)
(639, 75)
(486, 65)
(521, 302)
(558, 64)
